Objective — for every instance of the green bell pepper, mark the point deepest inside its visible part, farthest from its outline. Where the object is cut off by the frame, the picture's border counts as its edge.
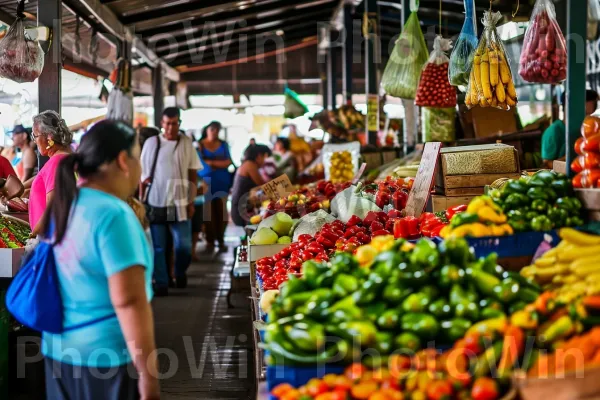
(574, 221)
(386, 262)
(490, 265)
(362, 332)
(281, 355)
(530, 215)
(369, 290)
(290, 303)
(528, 295)
(344, 285)
(463, 219)
(515, 201)
(540, 205)
(467, 310)
(344, 262)
(483, 281)
(373, 311)
(413, 279)
(507, 291)
(416, 302)
(538, 193)
(292, 286)
(516, 306)
(318, 304)
(454, 329)
(558, 216)
(490, 357)
(541, 223)
(519, 225)
(389, 319)
(571, 204)
(546, 176)
(311, 271)
(431, 291)
(307, 335)
(425, 254)
(351, 313)
(449, 275)
(515, 215)
(456, 251)
(458, 295)
(440, 309)
(490, 312)
(384, 342)
(395, 294)
(562, 187)
(514, 186)
(489, 302)
(407, 341)
(425, 326)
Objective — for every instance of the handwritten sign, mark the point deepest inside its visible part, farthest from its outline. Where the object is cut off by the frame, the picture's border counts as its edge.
(421, 190)
(277, 188)
(361, 171)
(373, 113)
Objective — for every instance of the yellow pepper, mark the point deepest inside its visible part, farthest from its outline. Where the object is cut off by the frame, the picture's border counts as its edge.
(524, 320)
(497, 230)
(480, 230)
(383, 243)
(487, 214)
(489, 326)
(365, 255)
(445, 232)
(476, 204)
(507, 229)
(462, 231)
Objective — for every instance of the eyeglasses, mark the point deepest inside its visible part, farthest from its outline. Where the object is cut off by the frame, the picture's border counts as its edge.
(34, 137)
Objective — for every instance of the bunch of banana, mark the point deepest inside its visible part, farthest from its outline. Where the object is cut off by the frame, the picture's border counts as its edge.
(571, 269)
(491, 83)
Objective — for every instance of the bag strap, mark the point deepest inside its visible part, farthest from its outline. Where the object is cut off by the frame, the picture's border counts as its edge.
(88, 323)
(153, 169)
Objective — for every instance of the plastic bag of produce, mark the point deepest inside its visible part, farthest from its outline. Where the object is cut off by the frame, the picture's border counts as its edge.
(434, 89)
(544, 56)
(461, 58)
(294, 107)
(588, 178)
(311, 223)
(21, 58)
(341, 161)
(401, 75)
(490, 82)
(439, 124)
(347, 203)
(594, 10)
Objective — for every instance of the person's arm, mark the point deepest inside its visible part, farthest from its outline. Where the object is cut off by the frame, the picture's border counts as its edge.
(255, 175)
(218, 164)
(38, 227)
(29, 163)
(27, 184)
(193, 190)
(128, 296)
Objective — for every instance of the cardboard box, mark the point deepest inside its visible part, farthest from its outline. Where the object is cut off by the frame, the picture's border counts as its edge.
(489, 121)
(256, 252)
(10, 262)
(441, 203)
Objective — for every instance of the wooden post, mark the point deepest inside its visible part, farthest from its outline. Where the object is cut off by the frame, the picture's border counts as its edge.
(576, 74)
(348, 54)
(49, 13)
(372, 56)
(331, 75)
(157, 93)
(323, 61)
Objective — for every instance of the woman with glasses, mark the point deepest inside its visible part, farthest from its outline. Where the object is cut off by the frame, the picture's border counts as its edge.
(53, 139)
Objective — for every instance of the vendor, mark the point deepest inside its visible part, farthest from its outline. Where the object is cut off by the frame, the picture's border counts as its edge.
(554, 138)
(247, 177)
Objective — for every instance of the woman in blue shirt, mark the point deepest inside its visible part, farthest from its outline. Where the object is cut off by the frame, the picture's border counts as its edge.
(215, 158)
(104, 265)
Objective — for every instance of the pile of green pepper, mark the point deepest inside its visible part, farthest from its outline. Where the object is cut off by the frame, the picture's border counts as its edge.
(542, 202)
(403, 301)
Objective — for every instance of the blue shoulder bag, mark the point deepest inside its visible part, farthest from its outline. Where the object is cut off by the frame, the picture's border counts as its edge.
(33, 296)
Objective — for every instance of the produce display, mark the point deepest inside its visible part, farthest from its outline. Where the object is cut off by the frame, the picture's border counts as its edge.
(21, 59)
(434, 89)
(275, 229)
(544, 54)
(483, 217)
(587, 163)
(439, 124)
(541, 202)
(571, 269)
(390, 295)
(491, 83)
(13, 233)
(401, 77)
(350, 117)
(306, 199)
(461, 60)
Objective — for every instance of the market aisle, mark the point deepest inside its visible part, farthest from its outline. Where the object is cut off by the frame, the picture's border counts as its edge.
(206, 348)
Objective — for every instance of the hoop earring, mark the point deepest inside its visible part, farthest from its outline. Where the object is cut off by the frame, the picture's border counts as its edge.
(50, 144)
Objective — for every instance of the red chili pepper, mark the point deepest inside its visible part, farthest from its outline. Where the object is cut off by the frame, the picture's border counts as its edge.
(399, 199)
(328, 234)
(381, 232)
(304, 238)
(354, 220)
(328, 244)
(455, 210)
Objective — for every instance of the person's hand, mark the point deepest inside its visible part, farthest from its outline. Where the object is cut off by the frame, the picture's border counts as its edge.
(191, 210)
(148, 387)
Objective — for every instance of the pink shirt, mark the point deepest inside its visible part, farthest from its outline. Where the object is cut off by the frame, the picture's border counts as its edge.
(41, 186)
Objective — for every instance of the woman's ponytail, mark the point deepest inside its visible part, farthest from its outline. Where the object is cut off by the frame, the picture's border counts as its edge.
(65, 189)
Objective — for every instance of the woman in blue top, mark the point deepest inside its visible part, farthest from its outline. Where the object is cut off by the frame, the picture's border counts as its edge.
(104, 265)
(215, 158)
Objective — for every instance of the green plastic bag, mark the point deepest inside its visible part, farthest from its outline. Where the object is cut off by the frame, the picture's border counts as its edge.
(461, 58)
(403, 70)
(294, 107)
(439, 124)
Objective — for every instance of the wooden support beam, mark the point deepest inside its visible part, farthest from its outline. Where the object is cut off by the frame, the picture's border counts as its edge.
(111, 23)
(49, 83)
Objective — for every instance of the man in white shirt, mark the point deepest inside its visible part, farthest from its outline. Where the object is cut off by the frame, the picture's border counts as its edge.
(172, 190)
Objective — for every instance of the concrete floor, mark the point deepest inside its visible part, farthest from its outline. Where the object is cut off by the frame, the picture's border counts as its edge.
(206, 349)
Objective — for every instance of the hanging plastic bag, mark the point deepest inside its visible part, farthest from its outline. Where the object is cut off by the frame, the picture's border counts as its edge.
(461, 58)
(120, 99)
(544, 56)
(439, 124)
(401, 75)
(594, 10)
(294, 107)
(434, 89)
(490, 82)
(21, 58)
(341, 161)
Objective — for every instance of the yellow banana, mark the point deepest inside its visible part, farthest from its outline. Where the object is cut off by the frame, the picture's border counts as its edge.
(510, 89)
(579, 238)
(592, 278)
(545, 262)
(493, 55)
(577, 252)
(586, 266)
(485, 77)
(505, 76)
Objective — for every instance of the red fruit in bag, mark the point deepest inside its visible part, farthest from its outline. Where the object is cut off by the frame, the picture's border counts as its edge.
(589, 178)
(577, 181)
(590, 126)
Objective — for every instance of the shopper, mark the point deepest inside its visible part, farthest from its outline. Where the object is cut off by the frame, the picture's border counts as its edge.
(554, 138)
(5, 168)
(104, 265)
(25, 167)
(53, 139)
(216, 160)
(247, 177)
(169, 167)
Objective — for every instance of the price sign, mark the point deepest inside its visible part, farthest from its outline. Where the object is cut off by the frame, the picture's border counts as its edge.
(373, 113)
(421, 190)
(277, 188)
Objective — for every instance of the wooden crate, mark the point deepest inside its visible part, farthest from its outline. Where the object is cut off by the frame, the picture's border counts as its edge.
(441, 203)
(467, 185)
(373, 160)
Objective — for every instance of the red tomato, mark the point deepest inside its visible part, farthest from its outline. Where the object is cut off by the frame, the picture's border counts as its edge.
(306, 255)
(355, 371)
(281, 389)
(484, 389)
(316, 386)
(439, 390)
(590, 126)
